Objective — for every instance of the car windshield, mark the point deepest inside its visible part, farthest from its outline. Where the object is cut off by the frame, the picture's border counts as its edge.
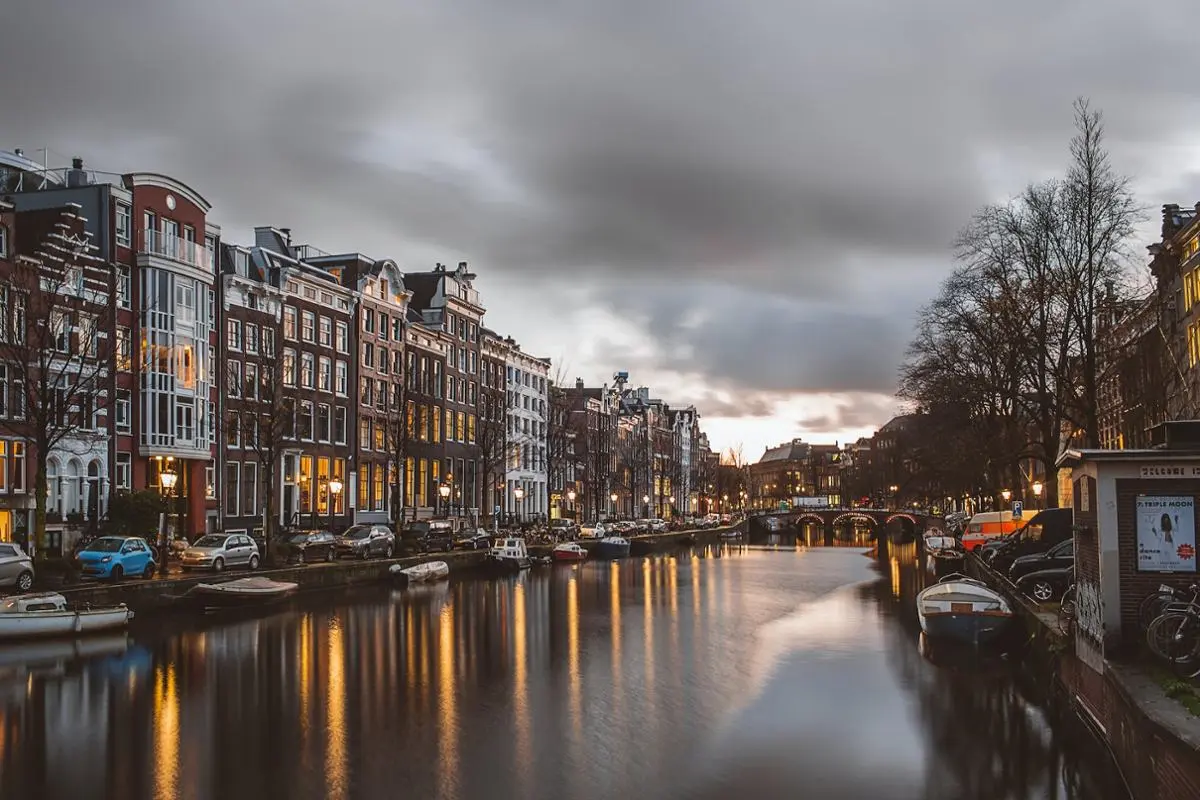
(209, 541)
(105, 545)
(358, 532)
(299, 537)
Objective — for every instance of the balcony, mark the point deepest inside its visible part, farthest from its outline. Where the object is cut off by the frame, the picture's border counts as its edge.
(173, 248)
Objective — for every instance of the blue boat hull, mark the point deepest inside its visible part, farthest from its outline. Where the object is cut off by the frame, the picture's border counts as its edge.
(610, 550)
(972, 629)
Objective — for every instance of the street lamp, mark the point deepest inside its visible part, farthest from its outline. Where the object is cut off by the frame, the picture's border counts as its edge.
(1037, 492)
(1006, 494)
(571, 499)
(444, 491)
(167, 479)
(646, 504)
(335, 489)
(519, 493)
(613, 498)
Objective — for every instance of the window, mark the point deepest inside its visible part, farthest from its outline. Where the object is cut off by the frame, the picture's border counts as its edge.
(470, 429)
(306, 370)
(124, 349)
(364, 487)
(268, 342)
(251, 381)
(233, 334)
(461, 430)
(249, 489)
(383, 360)
(234, 382)
(210, 481)
(289, 367)
(308, 322)
(124, 290)
(364, 433)
(343, 337)
(377, 487)
(365, 391)
(381, 395)
(306, 420)
(251, 338)
(323, 432)
(289, 323)
(369, 320)
(124, 225)
(124, 470)
(124, 406)
(233, 489)
(325, 374)
(398, 329)
(384, 326)
(437, 424)
(341, 379)
(368, 354)
(339, 425)
(326, 332)
(380, 438)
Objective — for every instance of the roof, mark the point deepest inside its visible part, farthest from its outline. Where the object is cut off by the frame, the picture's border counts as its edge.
(795, 450)
(1072, 458)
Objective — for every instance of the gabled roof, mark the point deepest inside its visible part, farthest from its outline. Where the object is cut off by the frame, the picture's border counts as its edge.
(795, 450)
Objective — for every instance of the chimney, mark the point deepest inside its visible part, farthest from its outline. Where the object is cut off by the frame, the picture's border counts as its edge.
(579, 383)
(76, 176)
(18, 152)
(1170, 222)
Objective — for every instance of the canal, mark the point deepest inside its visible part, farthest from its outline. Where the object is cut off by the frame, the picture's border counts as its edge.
(710, 673)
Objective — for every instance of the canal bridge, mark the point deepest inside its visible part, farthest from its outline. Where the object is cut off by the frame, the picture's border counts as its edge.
(831, 526)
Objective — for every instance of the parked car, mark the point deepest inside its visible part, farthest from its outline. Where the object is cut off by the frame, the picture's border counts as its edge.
(472, 540)
(365, 541)
(16, 567)
(656, 525)
(1060, 556)
(564, 528)
(305, 547)
(1045, 529)
(216, 551)
(1048, 584)
(115, 557)
(428, 536)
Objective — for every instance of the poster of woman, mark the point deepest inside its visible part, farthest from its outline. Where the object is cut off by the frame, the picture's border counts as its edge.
(1166, 534)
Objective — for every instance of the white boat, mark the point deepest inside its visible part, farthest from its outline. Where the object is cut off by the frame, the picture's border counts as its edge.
(731, 534)
(47, 614)
(569, 551)
(509, 554)
(612, 547)
(963, 609)
(241, 592)
(426, 572)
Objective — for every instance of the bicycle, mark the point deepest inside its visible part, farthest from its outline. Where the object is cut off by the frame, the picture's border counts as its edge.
(1174, 636)
(1153, 605)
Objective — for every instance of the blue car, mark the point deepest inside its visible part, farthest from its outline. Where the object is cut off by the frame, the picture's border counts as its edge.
(117, 557)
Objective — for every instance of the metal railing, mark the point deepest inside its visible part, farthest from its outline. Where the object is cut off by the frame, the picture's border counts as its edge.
(175, 248)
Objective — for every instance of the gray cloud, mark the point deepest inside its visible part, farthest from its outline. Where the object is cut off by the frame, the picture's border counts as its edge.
(794, 158)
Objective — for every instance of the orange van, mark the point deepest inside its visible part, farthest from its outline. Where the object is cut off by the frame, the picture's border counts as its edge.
(988, 525)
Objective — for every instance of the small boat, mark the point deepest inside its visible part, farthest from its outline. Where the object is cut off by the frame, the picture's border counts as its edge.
(962, 609)
(508, 554)
(238, 593)
(731, 534)
(945, 553)
(569, 551)
(426, 572)
(612, 547)
(46, 614)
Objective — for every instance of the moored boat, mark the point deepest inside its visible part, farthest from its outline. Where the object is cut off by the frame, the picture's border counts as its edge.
(945, 554)
(963, 609)
(426, 572)
(508, 554)
(569, 551)
(612, 547)
(47, 614)
(243, 592)
(733, 533)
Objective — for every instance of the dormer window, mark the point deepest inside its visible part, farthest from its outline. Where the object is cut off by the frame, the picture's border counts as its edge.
(383, 289)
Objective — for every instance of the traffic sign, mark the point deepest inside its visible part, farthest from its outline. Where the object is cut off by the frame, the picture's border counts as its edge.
(1018, 508)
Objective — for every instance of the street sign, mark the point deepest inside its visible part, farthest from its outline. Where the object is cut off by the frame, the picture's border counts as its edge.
(1018, 509)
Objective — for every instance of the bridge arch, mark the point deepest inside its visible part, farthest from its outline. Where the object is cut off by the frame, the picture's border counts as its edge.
(901, 515)
(854, 516)
(816, 519)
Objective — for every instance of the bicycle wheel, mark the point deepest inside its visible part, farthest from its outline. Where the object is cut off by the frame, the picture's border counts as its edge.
(1160, 634)
(1185, 647)
(1151, 607)
(1066, 611)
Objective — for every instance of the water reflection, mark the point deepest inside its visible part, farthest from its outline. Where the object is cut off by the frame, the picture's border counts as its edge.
(538, 686)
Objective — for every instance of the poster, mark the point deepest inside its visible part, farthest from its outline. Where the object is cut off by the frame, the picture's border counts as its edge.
(1166, 534)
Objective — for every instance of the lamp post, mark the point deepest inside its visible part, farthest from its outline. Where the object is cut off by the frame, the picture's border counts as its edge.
(724, 503)
(571, 498)
(519, 493)
(167, 478)
(646, 504)
(335, 489)
(444, 491)
(1037, 492)
(1006, 494)
(671, 501)
(613, 498)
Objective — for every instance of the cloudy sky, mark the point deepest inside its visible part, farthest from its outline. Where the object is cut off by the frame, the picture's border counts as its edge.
(742, 204)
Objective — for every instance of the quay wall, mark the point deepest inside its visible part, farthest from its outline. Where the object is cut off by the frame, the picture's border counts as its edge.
(1153, 740)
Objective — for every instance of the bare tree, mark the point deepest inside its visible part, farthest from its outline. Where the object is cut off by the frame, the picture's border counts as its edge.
(263, 418)
(491, 432)
(56, 314)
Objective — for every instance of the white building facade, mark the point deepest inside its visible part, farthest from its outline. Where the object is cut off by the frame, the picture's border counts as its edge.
(527, 411)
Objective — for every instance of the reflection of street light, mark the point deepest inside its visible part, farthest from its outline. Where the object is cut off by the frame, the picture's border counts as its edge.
(1037, 492)
(444, 491)
(519, 493)
(335, 489)
(167, 479)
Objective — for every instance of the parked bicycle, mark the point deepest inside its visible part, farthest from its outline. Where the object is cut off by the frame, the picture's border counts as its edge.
(1174, 634)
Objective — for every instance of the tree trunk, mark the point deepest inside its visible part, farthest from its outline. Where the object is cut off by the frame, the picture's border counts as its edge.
(37, 536)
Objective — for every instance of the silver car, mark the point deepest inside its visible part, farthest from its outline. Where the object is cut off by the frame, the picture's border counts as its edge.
(16, 568)
(216, 551)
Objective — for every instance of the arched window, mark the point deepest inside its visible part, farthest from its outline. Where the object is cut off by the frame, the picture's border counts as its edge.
(53, 495)
(71, 487)
(93, 491)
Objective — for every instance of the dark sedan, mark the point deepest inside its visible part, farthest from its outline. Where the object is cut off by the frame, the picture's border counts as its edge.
(365, 541)
(1047, 585)
(472, 540)
(1060, 556)
(306, 547)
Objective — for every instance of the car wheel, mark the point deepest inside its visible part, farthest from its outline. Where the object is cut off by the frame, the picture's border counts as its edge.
(300, 557)
(1041, 591)
(116, 573)
(218, 564)
(389, 551)
(254, 561)
(148, 572)
(25, 581)
(365, 553)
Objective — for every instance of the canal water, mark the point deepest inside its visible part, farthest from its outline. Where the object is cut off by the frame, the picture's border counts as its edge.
(710, 673)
